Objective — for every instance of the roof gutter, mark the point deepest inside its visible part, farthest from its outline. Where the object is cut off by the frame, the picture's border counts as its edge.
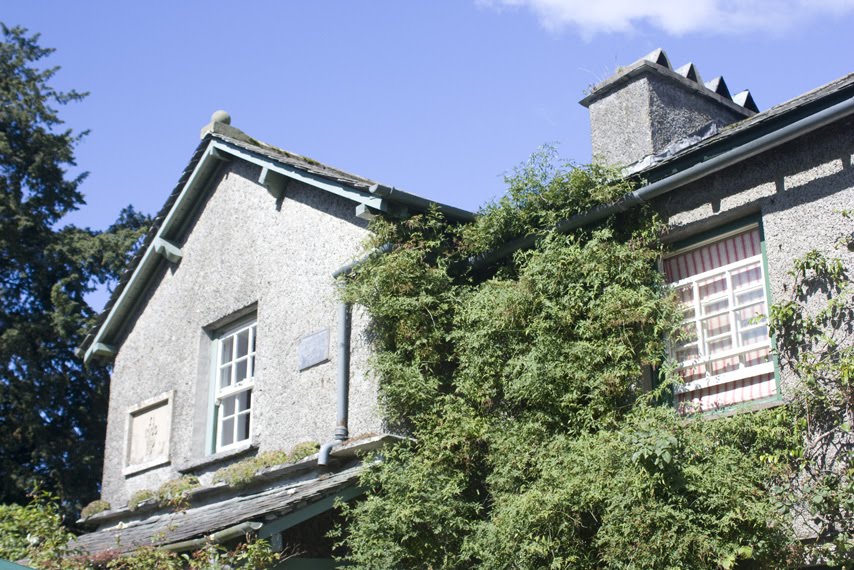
(230, 533)
(681, 178)
(419, 203)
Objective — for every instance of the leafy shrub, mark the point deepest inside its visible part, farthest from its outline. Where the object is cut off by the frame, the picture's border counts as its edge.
(34, 531)
(534, 443)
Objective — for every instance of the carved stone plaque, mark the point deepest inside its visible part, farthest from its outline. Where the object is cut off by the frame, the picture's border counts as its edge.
(313, 349)
(149, 431)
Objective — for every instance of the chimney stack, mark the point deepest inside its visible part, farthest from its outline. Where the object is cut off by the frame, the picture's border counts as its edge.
(647, 107)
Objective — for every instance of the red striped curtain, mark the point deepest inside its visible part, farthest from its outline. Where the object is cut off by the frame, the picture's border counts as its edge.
(724, 355)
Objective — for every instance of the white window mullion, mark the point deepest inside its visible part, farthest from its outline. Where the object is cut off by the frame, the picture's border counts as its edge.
(228, 430)
(698, 324)
(721, 355)
(733, 324)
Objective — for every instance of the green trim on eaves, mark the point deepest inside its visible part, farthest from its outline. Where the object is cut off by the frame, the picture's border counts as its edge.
(311, 511)
(714, 232)
(711, 234)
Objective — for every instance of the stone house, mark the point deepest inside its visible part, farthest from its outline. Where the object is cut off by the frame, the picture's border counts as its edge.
(228, 342)
(252, 239)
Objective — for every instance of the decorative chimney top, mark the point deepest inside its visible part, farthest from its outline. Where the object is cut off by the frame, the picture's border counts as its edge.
(647, 107)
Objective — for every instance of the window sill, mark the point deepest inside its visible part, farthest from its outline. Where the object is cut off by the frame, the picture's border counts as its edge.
(194, 464)
(140, 467)
(744, 407)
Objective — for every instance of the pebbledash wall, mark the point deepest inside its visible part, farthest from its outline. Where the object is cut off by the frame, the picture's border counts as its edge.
(796, 191)
(651, 117)
(242, 254)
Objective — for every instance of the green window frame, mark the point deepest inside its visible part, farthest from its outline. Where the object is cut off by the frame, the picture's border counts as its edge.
(725, 353)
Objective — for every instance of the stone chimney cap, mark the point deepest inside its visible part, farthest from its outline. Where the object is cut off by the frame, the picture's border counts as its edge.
(689, 71)
(718, 85)
(657, 56)
(745, 99)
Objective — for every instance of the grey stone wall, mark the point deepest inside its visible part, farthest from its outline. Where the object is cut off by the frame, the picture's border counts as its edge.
(675, 112)
(647, 110)
(243, 254)
(619, 124)
(796, 189)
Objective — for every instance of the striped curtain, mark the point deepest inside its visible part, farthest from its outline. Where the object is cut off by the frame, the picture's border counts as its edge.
(725, 355)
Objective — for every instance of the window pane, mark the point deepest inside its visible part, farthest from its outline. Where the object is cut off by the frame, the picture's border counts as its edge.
(244, 401)
(724, 365)
(227, 432)
(713, 294)
(240, 371)
(756, 357)
(227, 344)
(715, 326)
(242, 427)
(747, 277)
(687, 353)
(225, 376)
(254, 335)
(242, 343)
(252, 367)
(719, 345)
(228, 406)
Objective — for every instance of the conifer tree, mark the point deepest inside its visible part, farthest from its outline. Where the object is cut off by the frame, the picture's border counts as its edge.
(52, 408)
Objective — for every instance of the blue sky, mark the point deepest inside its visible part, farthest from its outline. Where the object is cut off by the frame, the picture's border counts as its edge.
(438, 98)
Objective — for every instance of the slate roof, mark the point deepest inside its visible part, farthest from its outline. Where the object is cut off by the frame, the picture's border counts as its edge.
(173, 527)
(302, 162)
(250, 145)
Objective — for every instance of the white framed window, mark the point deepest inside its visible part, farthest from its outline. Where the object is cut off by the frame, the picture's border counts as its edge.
(234, 379)
(724, 354)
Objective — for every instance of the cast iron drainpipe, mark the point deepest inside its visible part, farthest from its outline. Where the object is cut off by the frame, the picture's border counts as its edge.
(343, 384)
(343, 381)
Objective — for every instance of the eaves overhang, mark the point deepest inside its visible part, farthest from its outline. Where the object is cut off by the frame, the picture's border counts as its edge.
(161, 244)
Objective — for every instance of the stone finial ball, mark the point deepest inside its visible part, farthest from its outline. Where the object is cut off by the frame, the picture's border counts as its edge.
(221, 117)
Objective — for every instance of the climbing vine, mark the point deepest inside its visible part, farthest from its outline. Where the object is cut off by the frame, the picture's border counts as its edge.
(534, 440)
(814, 327)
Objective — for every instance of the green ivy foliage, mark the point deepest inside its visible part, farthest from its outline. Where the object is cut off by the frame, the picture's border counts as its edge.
(816, 343)
(535, 442)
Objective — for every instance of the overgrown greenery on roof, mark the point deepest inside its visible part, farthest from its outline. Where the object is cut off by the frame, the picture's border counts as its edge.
(535, 443)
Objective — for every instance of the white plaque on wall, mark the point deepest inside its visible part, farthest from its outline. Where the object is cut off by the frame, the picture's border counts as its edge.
(148, 433)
